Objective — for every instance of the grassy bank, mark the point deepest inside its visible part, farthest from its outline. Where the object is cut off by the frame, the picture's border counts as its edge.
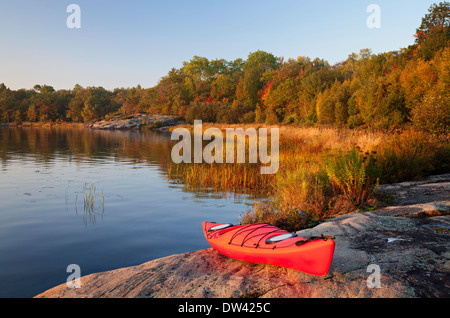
(324, 172)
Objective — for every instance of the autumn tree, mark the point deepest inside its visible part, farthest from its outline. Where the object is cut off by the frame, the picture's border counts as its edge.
(434, 31)
(252, 81)
(431, 112)
(76, 104)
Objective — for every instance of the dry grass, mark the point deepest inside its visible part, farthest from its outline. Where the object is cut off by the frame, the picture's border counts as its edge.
(323, 171)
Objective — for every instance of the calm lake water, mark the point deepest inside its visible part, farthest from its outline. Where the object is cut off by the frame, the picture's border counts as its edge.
(139, 213)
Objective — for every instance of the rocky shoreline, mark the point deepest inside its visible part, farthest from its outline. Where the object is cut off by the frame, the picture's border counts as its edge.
(136, 121)
(409, 241)
(131, 122)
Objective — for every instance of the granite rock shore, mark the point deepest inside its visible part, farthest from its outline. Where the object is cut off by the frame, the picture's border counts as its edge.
(408, 241)
(135, 122)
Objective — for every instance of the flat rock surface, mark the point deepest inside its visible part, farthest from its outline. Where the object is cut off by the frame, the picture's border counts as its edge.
(409, 242)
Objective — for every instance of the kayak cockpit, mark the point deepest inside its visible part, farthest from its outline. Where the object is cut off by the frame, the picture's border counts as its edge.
(280, 238)
(220, 227)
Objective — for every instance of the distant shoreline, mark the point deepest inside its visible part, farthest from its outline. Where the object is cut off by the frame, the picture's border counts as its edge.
(133, 122)
(44, 125)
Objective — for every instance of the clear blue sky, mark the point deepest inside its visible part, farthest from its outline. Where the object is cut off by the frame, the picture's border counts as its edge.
(126, 43)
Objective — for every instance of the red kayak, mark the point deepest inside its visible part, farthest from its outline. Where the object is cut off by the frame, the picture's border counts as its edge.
(267, 244)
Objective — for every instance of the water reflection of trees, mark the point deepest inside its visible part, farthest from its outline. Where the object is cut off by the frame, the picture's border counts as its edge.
(46, 145)
(81, 145)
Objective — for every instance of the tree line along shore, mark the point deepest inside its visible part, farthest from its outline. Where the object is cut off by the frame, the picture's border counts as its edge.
(380, 91)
